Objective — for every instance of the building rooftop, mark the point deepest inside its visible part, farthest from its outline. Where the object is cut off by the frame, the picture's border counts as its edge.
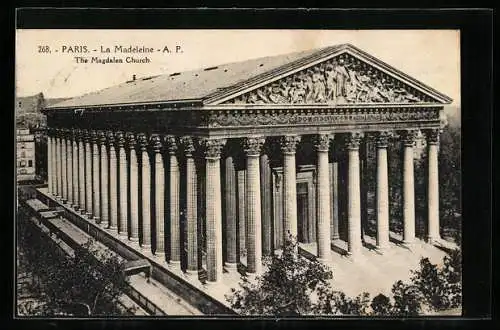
(189, 85)
(205, 84)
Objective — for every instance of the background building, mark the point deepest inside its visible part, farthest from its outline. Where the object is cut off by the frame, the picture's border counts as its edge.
(26, 165)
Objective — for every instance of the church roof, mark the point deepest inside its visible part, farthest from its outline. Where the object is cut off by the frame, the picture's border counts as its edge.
(215, 82)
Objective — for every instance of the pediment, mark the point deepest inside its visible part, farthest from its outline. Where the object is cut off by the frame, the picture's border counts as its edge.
(347, 78)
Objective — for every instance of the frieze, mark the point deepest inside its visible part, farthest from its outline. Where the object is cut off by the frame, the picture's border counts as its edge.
(343, 79)
(227, 118)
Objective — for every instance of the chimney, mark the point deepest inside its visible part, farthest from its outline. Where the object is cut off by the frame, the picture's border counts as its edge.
(133, 77)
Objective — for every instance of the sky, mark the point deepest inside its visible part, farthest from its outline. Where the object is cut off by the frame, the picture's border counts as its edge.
(431, 56)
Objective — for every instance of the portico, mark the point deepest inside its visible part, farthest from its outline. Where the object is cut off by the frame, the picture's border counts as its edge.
(213, 168)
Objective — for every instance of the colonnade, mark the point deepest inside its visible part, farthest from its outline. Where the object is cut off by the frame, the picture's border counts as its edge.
(118, 180)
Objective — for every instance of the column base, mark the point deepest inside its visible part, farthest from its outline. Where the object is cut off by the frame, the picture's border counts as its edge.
(335, 237)
(88, 215)
(382, 248)
(123, 234)
(113, 228)
(97, 220)
(213, 283)
(175, 264)
(134, 239)
(190, 272)
(230, 266)
(160, 255)
(104, 224)
(252, 277)
(432, 240)
(146, 246)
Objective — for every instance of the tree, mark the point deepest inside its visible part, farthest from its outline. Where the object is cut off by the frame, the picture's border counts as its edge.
(287, 287)
(87, 284)
(406, 299)
(381, 305)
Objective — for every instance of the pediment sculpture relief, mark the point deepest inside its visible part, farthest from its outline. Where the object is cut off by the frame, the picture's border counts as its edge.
(341, 80)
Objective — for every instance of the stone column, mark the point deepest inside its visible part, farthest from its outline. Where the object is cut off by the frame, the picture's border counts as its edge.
(213, 149)
(123, 179)
(266, 204)
(113, 186)
(54, 163)
(49, 162)
(382, 194)
(58, 165)
(354, 195)
(323, 197)
(252, 148)
(134, 189)
(64, 169)
(96, 207)
(175, 229)
(88, 175)
(104, 180)
(335, 200)
(191, 207)
(69, 166)
(408, 187)
(433, 186)
(288, 147)
(76, 192)
(146, 192)
(230, 213)
(159, 193)
(241, 175)
(81, 170)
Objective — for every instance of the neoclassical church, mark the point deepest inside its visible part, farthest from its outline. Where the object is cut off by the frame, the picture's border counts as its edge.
(214, 168)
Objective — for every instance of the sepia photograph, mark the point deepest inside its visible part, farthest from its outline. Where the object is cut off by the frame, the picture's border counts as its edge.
(210, 172)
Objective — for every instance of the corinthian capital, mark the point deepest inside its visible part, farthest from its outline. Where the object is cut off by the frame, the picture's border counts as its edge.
(289, 143)
(132, 141)
(409, 137)
(382, 138)
(142, 141)
(353, 140)
(110, 135)
(253, 145)
(93, 136)
(102, 137)
(171, 144)
(156, 143)
(433, 135)
(213, 147)
(322, 142)
(188, 144)
(120, 139)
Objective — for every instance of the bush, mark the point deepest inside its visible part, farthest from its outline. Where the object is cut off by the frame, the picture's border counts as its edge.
(381, 305)
(440, 288)
(406, 299)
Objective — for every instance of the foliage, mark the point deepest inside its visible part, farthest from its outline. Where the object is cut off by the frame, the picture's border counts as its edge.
(286, 288)
(336, 302)
(70, 285)
(381, 305)
(440, 287)
(406, 299)
(450, 202)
